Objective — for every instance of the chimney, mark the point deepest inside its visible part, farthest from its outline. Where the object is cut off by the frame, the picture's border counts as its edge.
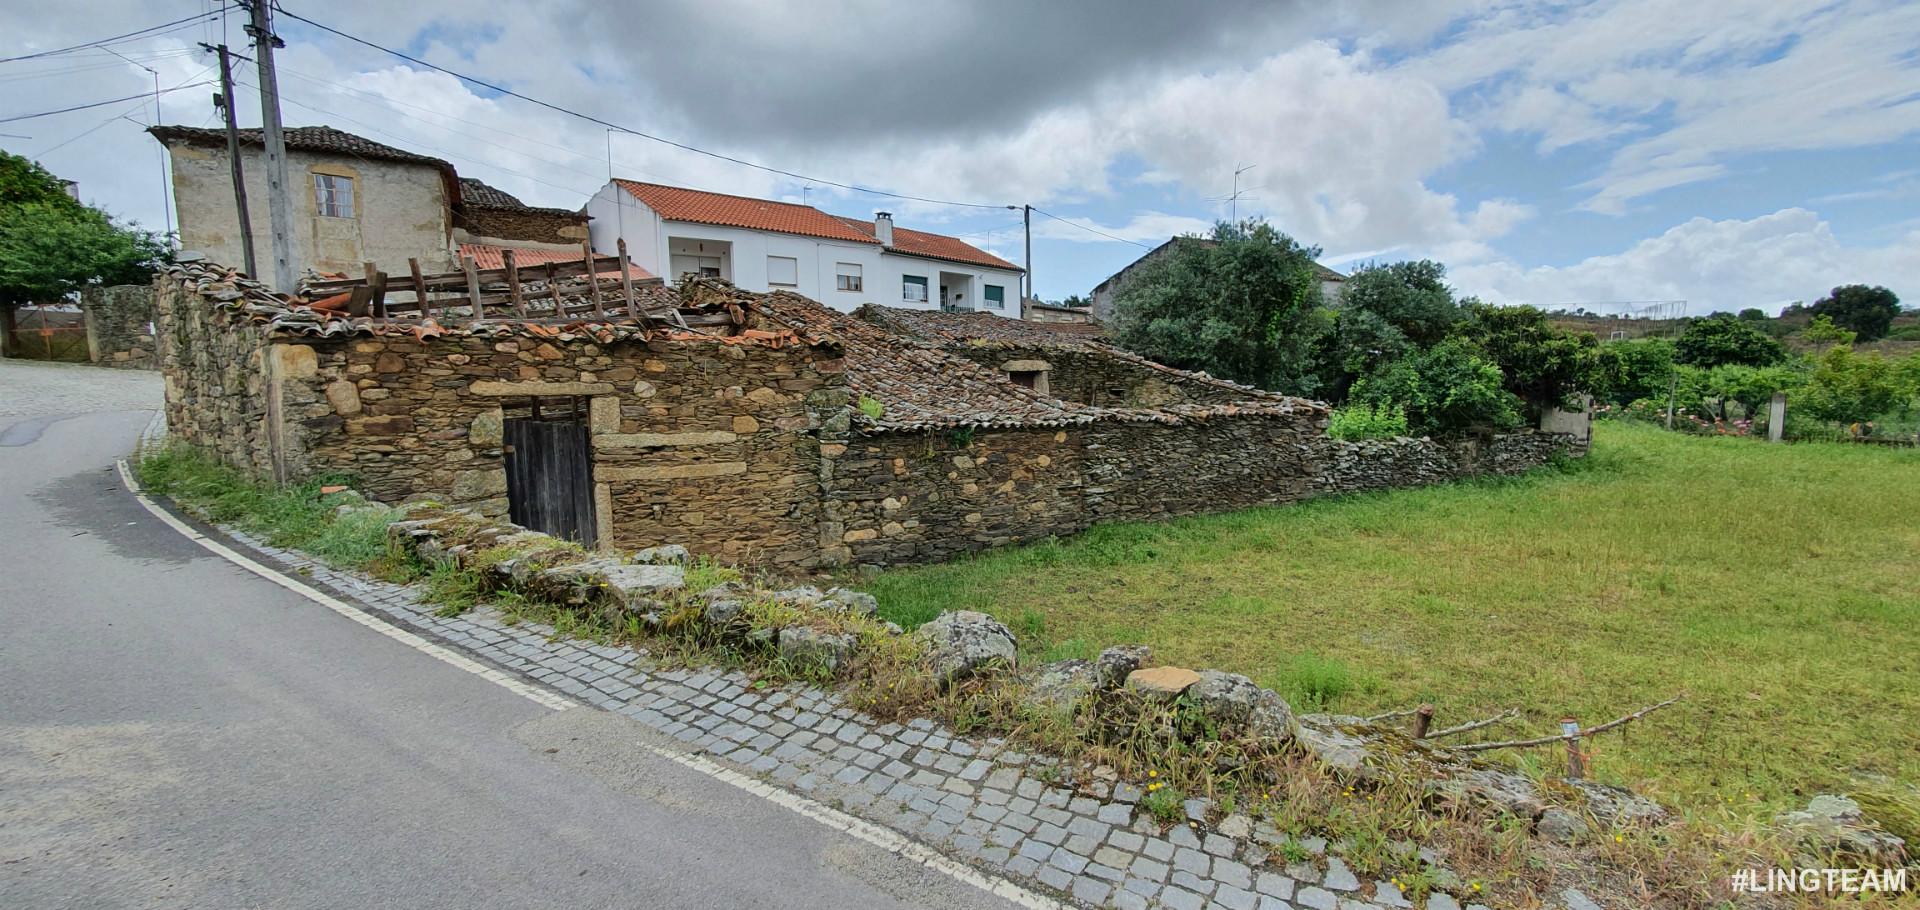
(883, 228)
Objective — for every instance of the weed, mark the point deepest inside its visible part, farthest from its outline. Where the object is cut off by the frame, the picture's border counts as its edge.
(1166, 804)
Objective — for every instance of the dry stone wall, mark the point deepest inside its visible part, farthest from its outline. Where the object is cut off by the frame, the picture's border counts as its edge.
(1096, 377)
(121, 326)
(217, 381)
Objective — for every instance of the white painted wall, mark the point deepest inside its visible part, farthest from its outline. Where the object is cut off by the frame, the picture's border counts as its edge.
(651, 242)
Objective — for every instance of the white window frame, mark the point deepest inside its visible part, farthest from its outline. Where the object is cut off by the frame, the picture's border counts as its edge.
(328, 197)
(794, 272)
(848, 281)
(986, 296)
(908, 283)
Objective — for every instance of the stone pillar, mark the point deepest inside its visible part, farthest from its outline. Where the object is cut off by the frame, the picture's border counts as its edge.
(1777, 418)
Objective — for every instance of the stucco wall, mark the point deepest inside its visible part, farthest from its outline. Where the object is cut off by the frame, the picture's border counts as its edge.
(401, 211)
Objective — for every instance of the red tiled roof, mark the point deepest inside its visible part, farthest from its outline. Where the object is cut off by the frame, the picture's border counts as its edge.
(700, 207)
(680, 204)
(487, 256)
(934, 246)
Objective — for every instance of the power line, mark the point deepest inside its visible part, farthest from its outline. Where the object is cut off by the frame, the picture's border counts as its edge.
(112, 40)
(81, 107)
(644, 135)
(1092, 230)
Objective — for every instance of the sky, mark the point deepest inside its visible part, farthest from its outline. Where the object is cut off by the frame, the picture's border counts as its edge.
(1606, 155)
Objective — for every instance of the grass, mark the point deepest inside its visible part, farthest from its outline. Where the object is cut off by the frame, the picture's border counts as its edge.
(1774, 585)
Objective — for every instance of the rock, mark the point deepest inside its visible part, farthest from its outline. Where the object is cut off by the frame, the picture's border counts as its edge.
(1060, 685)
(726, 590)
(1503, 790)
(1561, 826)
(1162, 683)
(1617, 805)
(1333, 747)
(671, 554)
(893, 628)
(805, 595)
(721, 610)
(804, 647)
(1234, 700)
(1833, 825)
(857, 603)
(1113, 664)
(604, 580)
(1235, 826)
(960, 643)
(1576, 900)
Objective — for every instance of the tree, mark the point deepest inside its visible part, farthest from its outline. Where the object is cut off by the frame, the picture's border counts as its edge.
(1632, 369)
(1868, 311)
(1850, 388)
(1753, 314)
(1822, 331)
(52, 246)
(1722, 340)
(1385, 311)
(1239, 307)
(1076, 301)
(1543, 364)
(1445, 388)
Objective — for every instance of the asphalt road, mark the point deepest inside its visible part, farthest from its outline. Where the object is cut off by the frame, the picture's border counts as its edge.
(175, 732)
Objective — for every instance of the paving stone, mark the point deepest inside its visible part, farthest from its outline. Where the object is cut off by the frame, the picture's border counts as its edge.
(1339, 877)
(1183, 836)
(1106, 872)
(1126, 900)
(1113, 857)
(1235, 898)
(1189, 860)
(1051, 834)
(1220, 846)
(1022, 865)
(1149, 869)
(1055, 877)
(1158, 849)
(1278, 886)
(1081, 844)
(1063, 858)
(1037, 850)
(1181, 899)
(1192, 882)
(1003, 778)
(1091, 890)
(1087, 827)
(1388, 894)
(1316, 899)
(1442, 901)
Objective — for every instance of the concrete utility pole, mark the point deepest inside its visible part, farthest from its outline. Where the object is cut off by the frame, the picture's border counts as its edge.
(233, 158)
(1026, 219)
(279, 204)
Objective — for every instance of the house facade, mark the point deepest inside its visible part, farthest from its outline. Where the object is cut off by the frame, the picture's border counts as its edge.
(1105, 292)
(762, 245)
(357, 201)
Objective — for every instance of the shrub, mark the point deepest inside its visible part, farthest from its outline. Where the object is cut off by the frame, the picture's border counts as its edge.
(1543, 364)
(1850, 388)
(1630, 370)
(1822, 331)
(1363, 421)
(1720, 340)
(1443, 389)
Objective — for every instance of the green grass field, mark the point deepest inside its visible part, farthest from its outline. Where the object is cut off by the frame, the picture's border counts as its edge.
(1778, 587)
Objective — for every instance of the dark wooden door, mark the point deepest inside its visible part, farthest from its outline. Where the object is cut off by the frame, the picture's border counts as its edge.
(550, 477)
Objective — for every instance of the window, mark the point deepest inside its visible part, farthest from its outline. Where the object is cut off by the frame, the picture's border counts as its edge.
(996, 297)
(913, 288)
(847, 276)
(783, 271)
(1028, 378)
(333, 195)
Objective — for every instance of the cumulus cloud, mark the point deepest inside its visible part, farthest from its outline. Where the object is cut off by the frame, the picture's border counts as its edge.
(1765, 262)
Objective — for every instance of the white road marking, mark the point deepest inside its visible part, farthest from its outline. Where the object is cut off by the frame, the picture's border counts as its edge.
(884, 838)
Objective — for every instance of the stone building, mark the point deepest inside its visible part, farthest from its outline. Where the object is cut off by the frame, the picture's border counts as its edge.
(357, 201)
(764, 429)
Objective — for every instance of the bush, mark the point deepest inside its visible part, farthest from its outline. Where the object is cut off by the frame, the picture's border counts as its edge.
(1444, 389)
(1851, 388)
(1630, 370)
(1544, 364)
(1720, 340)
(1361, 421)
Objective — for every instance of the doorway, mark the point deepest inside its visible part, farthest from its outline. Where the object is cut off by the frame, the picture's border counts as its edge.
(549, 461)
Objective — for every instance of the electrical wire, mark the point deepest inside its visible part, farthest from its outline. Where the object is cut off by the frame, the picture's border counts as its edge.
(81, 107)
(113, 40)
(1092, 230)
(629, 130)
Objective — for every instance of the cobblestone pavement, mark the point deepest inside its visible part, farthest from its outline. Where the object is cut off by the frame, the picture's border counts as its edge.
(994, 806)
(35, 389)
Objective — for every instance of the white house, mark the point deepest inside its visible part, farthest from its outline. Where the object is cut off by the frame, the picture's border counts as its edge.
(762, 245)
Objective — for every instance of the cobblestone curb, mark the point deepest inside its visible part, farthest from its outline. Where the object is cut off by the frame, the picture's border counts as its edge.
(976, 799)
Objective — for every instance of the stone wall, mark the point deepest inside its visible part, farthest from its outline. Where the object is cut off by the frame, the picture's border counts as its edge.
(121, 326)
(925, 497)
(218, 380)
(532, 225)
(1099, 377)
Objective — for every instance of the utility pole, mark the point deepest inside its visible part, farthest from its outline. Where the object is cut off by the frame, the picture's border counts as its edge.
(279, 204)
(1234, 200)
(1026, 220)
(233, 158)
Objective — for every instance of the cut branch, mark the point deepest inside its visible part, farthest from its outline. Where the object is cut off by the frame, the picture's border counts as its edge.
(1397, 712)
(1500, 718)
(1564, 737)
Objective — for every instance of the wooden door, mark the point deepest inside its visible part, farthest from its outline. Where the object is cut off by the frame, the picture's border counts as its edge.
(550, 477)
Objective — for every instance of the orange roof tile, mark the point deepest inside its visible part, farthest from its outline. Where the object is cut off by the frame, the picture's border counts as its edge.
(700, 207)
(487, 256)
(680, 204)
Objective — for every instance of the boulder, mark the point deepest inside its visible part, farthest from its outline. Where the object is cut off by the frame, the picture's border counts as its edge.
(1162, 683)
(961, 643)
(810, 648)
(1060, 685)
(857, 603)
(607, 580)
(1113, 664)
(1502, 790)
(1234, 701)
(1833, 825)
(1332, 746)
(1561, 826)
(671, 554)
(720, 611)
(805, 595)
(1617, 805)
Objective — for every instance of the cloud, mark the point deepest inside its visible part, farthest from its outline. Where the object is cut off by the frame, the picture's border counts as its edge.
(1150, 228)
(1765, 262)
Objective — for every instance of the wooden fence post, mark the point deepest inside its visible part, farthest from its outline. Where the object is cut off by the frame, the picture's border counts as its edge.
(626, 281)
(513, 284)
(473, 287)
